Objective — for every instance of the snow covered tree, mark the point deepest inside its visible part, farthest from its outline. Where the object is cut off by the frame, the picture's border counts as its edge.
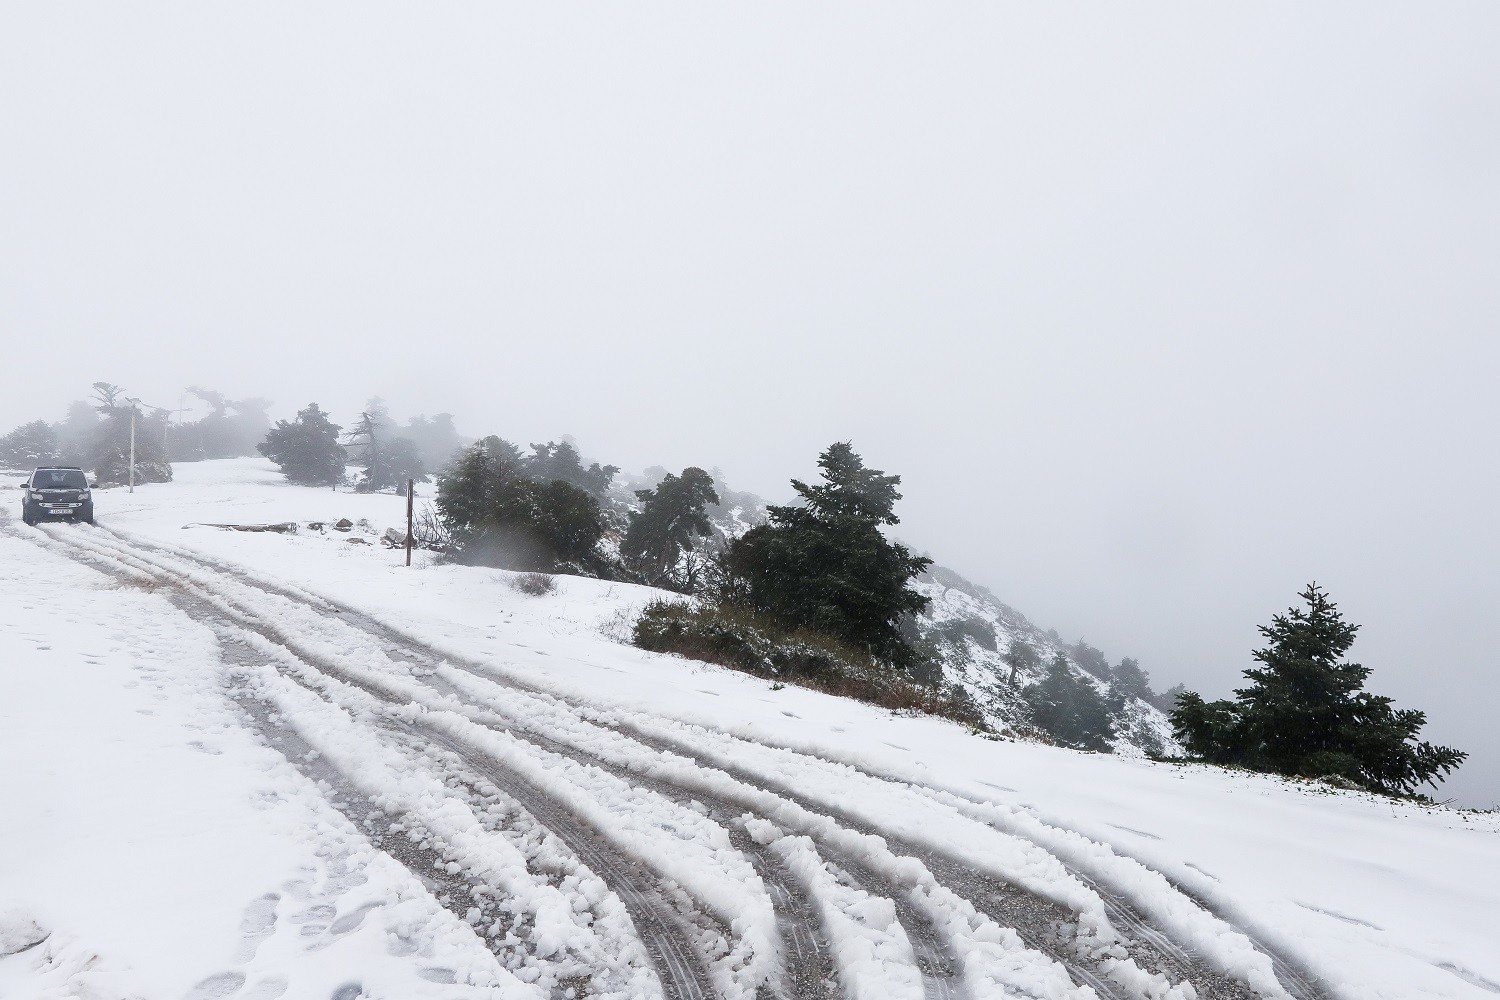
(307, 449)
(826, 565)
(667, 527)
(1070, 709)
(1306, 713)
(29, 445)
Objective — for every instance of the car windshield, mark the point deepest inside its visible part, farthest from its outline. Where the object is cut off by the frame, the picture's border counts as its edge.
(58, 479)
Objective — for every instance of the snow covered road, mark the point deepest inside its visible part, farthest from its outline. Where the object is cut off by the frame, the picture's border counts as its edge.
(463, 829)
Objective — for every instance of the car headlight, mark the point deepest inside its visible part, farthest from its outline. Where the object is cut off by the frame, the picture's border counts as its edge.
(86, 495)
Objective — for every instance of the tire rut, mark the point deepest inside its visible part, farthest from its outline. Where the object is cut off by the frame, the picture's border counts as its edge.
(680, 969)
(1041, 924)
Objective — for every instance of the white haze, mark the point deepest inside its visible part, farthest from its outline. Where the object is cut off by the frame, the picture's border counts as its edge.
(1161, 310)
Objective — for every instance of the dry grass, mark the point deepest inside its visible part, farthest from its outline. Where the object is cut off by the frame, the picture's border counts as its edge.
(743, 640)
(534, 584)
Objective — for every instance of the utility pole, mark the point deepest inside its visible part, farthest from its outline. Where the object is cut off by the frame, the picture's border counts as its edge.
(133, 404)
(411, 488)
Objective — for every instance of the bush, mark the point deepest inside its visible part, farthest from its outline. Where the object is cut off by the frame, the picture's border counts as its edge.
(742, 639)
(534, 584)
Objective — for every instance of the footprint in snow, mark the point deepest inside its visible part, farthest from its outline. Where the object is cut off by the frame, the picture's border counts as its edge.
(258, 923)
(322, 913)
(217, 986)
(351, 920)
(267, 989)
(439, 975)
(349, 991)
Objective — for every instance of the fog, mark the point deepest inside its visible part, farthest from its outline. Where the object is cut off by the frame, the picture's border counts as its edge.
(1161, 311)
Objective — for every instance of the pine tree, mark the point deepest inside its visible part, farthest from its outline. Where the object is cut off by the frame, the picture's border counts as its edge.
(498, 516)
(29, 445)
(109, 451)
(1021, 655)
(668, 524)
(396, 461)
(826, 565)
(1131, 681)
(1070, 709)
(307, 449)
(1306, 712)
(561, 461)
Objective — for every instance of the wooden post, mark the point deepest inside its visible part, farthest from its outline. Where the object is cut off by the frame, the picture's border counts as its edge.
(411, 489)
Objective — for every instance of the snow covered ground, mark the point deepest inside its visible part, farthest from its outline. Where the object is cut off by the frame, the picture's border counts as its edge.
(153, 845)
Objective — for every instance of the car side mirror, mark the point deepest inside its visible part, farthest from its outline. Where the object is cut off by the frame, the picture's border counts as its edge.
(25, 482)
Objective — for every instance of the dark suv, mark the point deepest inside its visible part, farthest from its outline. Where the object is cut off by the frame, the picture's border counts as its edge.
(57, 491)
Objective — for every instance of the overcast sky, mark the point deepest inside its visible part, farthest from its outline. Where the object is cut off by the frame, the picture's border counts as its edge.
(1160, 310)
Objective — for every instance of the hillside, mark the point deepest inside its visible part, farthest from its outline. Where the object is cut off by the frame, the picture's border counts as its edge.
(967, 629)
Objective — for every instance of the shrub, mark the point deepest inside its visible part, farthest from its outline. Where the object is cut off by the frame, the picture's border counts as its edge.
(534, 584)
(758, 644)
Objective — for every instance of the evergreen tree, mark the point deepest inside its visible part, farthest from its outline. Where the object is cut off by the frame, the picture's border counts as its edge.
(1305, 712)
(561, 461)
(28, 446)
(231, 428)
(1167, 700)
(1090, 659)
(1130, 681)
(307, 449)
(1070, 709)
(498, 516)
(670, 521)
(390, 466)
(826, 565)
(1021, 655)
(437, 440)
(76, 432)
(108, 451)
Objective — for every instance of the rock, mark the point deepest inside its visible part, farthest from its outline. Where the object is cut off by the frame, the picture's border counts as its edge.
(394, 537)
(315, 525)
(283, 528)
(343, 524)
(356, 541)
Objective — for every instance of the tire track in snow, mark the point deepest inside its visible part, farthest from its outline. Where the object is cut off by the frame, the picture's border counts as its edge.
(679, 967)
(934, 957)
(809, 966)
(1001, 901)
